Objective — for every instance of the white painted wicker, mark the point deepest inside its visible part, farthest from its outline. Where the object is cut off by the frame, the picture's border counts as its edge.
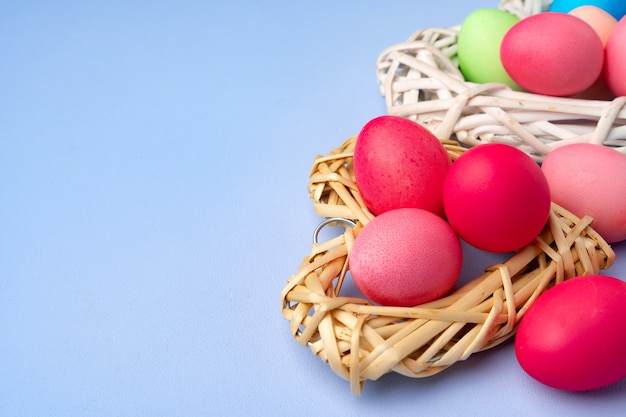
(419, 79)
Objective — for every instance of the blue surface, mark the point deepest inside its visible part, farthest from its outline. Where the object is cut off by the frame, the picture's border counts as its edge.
(153, 166)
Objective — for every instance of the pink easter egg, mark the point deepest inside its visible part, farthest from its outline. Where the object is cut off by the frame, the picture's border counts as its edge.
(615, 65)
(553, 54)
(599, 19)
(590, 180)
(397, 164)
(405, 257)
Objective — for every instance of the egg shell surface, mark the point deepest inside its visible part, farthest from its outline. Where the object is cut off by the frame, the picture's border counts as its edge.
(478, 46)
(496, 198)
(600, 20)
(553, 54)
(615, 57)
(616, 8)
(589, 179)
(405, 257)
(573, 336)
(603, 23)
(398, 164)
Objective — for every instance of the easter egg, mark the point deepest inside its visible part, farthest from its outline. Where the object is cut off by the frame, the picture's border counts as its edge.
(600, 20)
(603, 23)
(496, 198)
(478, 46)
(616, 8)
(553, 54)
(615, 65)
(405, 257)
(399, 163)
(589, 179)
(573, 336)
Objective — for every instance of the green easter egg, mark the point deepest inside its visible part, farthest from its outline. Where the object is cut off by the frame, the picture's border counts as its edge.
(478, 45)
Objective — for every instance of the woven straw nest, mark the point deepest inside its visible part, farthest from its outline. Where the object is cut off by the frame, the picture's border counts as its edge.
(420, 80)
(362, 341)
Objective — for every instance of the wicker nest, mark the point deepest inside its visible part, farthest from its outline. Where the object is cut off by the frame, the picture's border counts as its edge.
(362, 341)
(420, 80)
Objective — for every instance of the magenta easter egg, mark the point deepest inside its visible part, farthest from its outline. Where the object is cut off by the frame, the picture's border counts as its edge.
(398, 164)
(573, 336)
(496, 198)
(590, 180)
(405, 257)
(553, 54)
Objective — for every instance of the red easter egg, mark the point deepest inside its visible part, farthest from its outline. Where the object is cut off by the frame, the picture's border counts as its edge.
(573, 336)
(496, 198)
(405, 257)
(552, 53)
(398, 164)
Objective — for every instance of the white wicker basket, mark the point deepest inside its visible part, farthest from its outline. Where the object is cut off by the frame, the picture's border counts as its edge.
(420, 80)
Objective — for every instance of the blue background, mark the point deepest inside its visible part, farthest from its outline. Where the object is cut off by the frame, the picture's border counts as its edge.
(154, 158)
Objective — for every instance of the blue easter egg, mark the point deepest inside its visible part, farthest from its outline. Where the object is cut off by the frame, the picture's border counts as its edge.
(616, 8)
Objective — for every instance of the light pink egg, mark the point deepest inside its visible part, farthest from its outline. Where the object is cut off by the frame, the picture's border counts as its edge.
(599, 19)
(589, 179)
(603, 23)
(552, 53)
(405, 257)
(615, 66)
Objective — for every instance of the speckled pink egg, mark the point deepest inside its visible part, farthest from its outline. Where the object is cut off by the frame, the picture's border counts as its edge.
(553, 54)
(399, 163)
(615, 56)
(589, 179)
(405, 257)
